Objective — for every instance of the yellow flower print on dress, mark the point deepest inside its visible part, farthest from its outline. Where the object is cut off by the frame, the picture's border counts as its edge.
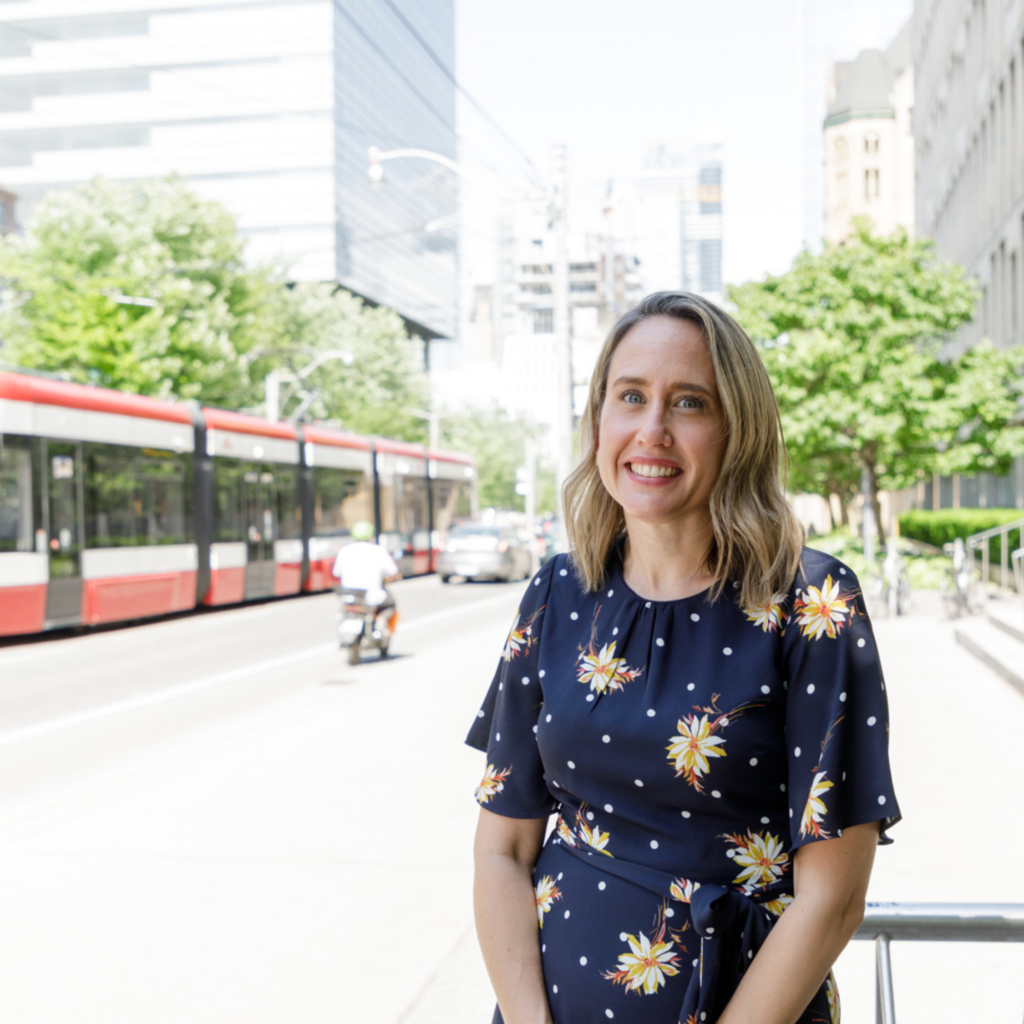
(545, 893)
(760, 858)
(833, 998)
(592, 837)
(648, 963)
(565, 832)
(778, 905)
(821, 612)
(815, 811)
(599, 668)
(682, 889)
(521, 637)
(492, 783)
(691, 750)
(772, 616)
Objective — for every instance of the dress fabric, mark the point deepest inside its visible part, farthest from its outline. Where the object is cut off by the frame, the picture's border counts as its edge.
(688, 749)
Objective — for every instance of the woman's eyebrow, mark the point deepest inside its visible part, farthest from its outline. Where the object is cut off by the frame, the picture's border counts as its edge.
(678, 386)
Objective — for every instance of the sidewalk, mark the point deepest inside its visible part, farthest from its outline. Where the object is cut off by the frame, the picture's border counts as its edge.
(957, 742)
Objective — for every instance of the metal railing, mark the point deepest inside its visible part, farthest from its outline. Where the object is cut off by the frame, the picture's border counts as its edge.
(980, 540)
(932, 922)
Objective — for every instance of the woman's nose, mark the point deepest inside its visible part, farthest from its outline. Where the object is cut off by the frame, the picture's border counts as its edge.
(653, 431)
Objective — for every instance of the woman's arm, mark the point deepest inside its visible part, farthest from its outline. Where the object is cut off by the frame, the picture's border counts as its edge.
(505, 852)
(830, 880)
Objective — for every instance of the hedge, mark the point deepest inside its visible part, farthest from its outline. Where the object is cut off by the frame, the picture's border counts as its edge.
(945, 525)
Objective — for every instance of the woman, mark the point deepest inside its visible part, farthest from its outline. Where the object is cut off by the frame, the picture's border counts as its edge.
(700, 701)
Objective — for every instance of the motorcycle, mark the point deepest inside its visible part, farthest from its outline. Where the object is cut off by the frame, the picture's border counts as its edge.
(364, 627)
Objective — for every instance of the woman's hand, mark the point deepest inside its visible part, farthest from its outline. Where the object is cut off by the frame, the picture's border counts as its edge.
(505, 852)
(830, 883)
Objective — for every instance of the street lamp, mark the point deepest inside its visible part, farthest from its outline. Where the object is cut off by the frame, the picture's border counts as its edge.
(556, 193)
(273, 381)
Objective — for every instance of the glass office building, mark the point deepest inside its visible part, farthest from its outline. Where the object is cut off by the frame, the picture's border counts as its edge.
(270, 107)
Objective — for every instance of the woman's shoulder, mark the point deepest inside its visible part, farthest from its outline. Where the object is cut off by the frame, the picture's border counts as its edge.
(820, 569)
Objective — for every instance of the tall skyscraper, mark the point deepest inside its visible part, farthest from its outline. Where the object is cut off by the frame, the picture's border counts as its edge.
(268, 106)
(676, 214)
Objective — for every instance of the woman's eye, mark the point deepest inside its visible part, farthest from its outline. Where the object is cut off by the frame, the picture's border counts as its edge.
(690, 403)
(631, 398)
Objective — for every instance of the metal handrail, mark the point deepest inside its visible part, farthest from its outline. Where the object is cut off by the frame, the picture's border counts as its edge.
(932, 922)
(981, 540)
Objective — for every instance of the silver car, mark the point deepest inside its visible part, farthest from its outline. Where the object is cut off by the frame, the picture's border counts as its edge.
(478, 552)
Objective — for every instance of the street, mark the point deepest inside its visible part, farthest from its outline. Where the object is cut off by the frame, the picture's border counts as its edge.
(215, 819)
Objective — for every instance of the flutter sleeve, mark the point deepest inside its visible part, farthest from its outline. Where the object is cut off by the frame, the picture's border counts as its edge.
(505, 727)
(837, 716)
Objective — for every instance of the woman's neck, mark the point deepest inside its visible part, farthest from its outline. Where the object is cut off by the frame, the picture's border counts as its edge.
(666, 562)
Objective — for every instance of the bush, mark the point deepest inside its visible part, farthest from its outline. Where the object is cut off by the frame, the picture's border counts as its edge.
(945, 525)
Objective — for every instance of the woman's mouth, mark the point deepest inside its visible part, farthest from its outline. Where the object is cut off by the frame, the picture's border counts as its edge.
(648, 470)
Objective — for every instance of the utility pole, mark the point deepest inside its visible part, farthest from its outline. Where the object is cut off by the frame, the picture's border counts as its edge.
(530, 459)
(869, 528)
(563, 327)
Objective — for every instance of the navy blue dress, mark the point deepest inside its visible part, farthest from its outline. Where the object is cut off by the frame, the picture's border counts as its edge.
(688, 749)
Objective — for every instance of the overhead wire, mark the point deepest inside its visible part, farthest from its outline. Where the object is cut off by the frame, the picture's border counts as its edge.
(429, 50)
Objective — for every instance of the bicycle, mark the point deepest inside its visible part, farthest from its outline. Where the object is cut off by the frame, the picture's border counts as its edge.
(958, 588)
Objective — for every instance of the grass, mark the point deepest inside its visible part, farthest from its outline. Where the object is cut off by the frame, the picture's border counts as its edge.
(924, 570)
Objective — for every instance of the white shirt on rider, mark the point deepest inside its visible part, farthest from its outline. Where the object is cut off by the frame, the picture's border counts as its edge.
(364, 566)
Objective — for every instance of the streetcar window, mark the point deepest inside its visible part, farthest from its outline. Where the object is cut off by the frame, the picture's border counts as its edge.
(451, 502)
(288, 513)
(388, 517)
(15, 497)
(229, 500)
(412, 510)
(341, 498)
(136, 496)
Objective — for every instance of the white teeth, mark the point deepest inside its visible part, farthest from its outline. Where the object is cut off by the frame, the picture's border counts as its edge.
(645, 469)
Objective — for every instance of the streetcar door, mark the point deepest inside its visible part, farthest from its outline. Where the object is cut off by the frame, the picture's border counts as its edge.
(260, 530)
(64, 491)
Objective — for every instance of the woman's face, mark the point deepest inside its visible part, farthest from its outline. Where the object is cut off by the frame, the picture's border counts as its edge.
(661, 433)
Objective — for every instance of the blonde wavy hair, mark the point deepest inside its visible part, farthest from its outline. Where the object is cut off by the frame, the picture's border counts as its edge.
(756, 537)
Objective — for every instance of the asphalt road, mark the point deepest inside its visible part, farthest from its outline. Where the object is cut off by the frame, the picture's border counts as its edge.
(215, 818)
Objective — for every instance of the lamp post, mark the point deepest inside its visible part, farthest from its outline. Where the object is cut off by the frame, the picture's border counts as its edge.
(556, 193)
(273, 381)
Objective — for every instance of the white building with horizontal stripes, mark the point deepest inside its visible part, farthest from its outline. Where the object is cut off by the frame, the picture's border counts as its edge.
(270, 107)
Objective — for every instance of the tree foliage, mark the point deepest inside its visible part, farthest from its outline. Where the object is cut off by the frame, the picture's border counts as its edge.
(854, 342)
(142, 287)
(498, 443)
(95, 253)
(383, 389)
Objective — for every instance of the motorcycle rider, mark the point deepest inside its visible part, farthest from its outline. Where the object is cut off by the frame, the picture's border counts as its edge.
(364, 565)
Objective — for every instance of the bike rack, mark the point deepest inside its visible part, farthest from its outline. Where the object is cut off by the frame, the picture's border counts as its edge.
(932, 922)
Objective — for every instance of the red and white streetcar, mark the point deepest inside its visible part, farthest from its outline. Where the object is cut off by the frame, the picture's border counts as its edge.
(115, 507)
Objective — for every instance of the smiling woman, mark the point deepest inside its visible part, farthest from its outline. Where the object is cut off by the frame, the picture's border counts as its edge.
(700, 703)
(714, 421)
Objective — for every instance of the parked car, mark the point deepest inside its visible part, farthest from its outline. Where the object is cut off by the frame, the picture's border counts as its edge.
(476, 552)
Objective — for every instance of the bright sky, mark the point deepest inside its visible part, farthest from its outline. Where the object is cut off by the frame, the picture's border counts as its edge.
(608, 78)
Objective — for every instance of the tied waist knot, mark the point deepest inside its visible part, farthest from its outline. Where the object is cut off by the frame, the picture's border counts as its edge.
(732, 928)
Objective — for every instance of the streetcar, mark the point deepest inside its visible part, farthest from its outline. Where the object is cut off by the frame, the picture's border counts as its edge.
(116, 507)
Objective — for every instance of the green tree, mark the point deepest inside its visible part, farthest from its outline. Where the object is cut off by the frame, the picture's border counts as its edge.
(379, 390)
(854, 342)
(136, 286)
(142, 287)
(498, 443)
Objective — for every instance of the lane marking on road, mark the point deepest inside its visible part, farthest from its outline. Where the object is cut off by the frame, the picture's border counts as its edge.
(207, 682)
